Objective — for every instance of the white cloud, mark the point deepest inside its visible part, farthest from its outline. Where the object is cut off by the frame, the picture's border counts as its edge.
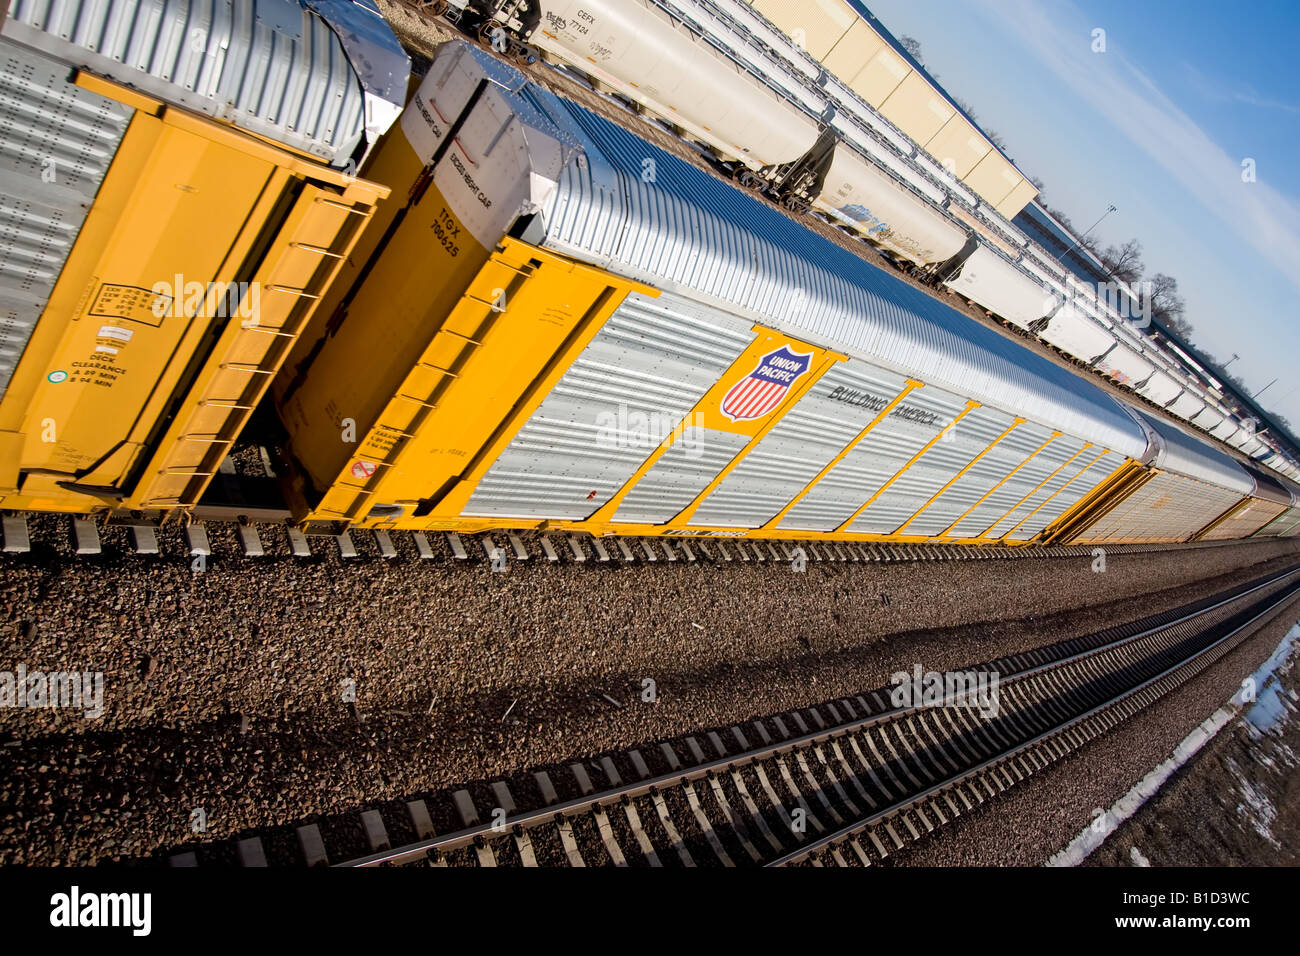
(1220, 91)
(1262, 216)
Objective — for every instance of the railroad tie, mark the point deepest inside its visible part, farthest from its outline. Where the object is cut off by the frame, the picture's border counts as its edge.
(300, 547)
(385, 544)
(506, 802)
(346, 548)
(144, 536)
(376, 832)
(196, 540)
(17, 539)
(457, 546)
(312, 846)
(469, 817)
(85, 536)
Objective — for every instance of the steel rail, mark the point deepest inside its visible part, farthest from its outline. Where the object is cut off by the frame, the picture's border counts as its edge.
(970, 773)
(616, 796)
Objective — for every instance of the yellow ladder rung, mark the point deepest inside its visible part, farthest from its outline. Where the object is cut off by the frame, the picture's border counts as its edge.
(436, 368)
(347, 207)
(319, 250)
(463, 338)
(244, 367)
(299, 292)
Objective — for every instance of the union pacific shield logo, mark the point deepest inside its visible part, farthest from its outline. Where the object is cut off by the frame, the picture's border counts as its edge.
(764, 388)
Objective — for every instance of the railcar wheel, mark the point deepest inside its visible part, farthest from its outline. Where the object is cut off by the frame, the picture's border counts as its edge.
(794, 204)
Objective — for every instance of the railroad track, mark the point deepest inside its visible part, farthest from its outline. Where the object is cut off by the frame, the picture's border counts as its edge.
(231, 531)
(847, 782)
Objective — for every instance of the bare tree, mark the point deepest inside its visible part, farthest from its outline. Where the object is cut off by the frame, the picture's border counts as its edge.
(1124, 262)
(912, 46)
(996, 140)
(1168, 306)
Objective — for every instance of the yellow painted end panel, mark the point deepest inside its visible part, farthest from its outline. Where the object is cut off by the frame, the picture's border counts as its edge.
(958, 146)
(298, 267)
(917, 109)
(394, 163)
(816, 24)
(993, 178)
(853, 51)
(187, 206)
(519, 323)
(1017, 199)
(342, 387)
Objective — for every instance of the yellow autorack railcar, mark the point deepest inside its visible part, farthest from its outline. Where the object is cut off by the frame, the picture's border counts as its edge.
(177, 197)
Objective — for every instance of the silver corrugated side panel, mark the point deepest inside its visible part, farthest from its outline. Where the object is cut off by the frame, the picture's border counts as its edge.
(680, 474)
(267, 66)
(56, 144)
(876, 459)
(632, 385)
(1167, 508)
(928, 475)
(648, 215)
(1013, 497)
(970, 494)
(1063, 492)
(1184, 454)
(805, 440)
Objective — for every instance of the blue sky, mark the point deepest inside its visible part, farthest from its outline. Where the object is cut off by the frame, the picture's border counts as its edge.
(1159, 125)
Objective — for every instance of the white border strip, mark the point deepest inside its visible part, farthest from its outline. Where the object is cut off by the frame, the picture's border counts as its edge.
(1096, 833)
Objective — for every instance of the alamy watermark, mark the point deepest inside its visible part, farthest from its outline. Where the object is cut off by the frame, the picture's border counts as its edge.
(1136, 307)
(921, 688)
(178, 299)
(635, 429)
(79, 690)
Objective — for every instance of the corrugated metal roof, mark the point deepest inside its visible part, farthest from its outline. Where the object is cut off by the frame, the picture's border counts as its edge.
(268, 66)
(646, 214)
(1187, 455)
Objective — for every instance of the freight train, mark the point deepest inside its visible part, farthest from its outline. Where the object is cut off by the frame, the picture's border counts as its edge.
(515, 314)
(814, 141)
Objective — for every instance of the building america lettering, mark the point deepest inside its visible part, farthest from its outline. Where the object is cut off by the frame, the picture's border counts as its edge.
(851, 396)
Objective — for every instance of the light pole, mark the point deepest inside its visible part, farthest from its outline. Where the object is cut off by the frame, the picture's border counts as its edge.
(1110, 208)
(1234, 358)
(1262, 390)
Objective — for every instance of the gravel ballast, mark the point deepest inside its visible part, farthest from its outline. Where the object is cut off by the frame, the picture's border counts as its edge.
(226, 689)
